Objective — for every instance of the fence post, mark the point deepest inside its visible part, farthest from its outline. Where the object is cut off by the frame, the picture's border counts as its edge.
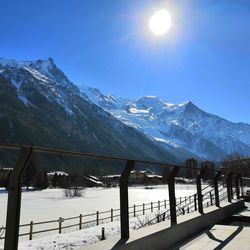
(199, 191)
(237, 186)
(180, 200)
(216, 190)
(97, 218)
(241, 186)
(159, 205)
(165, 204)
(211, 198)
(14, 198)
(158, 218)
(195, 202)
(60, 220)
(143, 208)
(31, 230)
(124, 210)
(231, 187)
(228, 181)
(134, 210)
(152, 207)
(171, 193)
(80, 222)
(112, 214)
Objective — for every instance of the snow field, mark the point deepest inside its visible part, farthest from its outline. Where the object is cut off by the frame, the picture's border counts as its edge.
(51, 204)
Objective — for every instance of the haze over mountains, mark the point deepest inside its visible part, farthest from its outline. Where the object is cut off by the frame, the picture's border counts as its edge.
(40, 105)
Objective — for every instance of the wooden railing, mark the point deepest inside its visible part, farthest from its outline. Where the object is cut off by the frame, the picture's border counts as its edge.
(87, 220)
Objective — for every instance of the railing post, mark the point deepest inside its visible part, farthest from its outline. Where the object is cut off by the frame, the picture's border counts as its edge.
(199, 191)
(228, 181)
(216, 190)
(211, 198)
(14, 199)
(143, 208)
(80, 222)
(97, 218)
(159, 205)
(171, 190)
(134, 210)
(60, 220)
(237, 186)
(112, 214)
(124, 214)
(241, 186)
(165, 204)
(231, 187)
(195, 202)
(31, 230)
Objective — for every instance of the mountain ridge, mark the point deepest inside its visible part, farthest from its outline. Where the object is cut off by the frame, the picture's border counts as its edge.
(42, 107)
(138, 112)
(183, 130)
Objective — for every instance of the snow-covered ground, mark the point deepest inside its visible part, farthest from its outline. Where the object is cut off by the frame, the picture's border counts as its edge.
(51, 204)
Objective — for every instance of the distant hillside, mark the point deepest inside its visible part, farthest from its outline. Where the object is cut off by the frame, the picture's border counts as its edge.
(41, 107)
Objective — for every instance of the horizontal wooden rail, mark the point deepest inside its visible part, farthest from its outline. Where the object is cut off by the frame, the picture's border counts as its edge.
(114, 213)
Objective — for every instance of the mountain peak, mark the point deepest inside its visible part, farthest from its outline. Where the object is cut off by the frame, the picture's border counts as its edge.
(190, 107)
(49, 63)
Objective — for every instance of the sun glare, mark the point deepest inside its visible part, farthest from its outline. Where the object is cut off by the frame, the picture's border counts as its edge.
(160, 22)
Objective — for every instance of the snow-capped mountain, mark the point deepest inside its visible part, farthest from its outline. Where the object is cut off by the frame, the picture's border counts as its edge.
(39, 105)
(183, 129)
(42, 74)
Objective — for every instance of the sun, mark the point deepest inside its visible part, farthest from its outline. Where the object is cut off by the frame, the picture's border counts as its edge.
(160, 22)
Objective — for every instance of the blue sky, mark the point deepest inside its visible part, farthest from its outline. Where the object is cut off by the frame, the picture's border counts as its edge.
(106, 44)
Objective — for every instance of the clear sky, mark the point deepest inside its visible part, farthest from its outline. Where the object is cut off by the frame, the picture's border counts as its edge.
(106, 44)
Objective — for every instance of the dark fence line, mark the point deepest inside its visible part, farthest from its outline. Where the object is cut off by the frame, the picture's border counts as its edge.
(108, 216)
(189, 205)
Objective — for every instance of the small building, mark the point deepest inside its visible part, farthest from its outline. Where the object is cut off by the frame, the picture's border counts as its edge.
(57, 178)
(137, 176)
(111, 180)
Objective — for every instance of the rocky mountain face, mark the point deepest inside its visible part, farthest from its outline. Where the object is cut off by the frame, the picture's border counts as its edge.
(183, 129)
(40, 106)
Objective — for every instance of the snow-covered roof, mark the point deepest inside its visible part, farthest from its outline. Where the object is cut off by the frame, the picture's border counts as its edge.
(94, 177)
(112, 176)
(93, 180)
(51, 173)
(154, 176)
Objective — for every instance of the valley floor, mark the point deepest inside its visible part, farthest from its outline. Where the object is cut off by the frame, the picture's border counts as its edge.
(51, 204)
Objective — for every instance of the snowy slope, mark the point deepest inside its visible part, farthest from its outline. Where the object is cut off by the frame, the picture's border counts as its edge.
(43, 74)
(181, 128)
(39, 105)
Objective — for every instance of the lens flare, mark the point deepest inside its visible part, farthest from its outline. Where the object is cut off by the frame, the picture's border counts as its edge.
(160, 22)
